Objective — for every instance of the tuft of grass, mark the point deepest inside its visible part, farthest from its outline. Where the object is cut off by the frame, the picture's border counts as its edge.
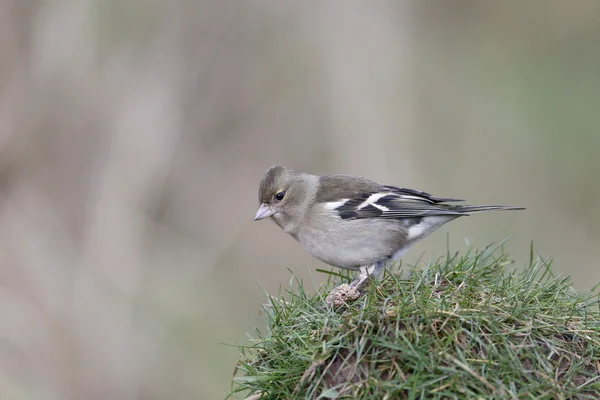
(463, 327)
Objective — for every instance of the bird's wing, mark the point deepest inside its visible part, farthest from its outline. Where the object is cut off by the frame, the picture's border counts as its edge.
(354, 198)
(420, 195)
(393, 203)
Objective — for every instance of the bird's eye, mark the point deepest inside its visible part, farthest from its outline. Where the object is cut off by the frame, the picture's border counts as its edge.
(279, 196)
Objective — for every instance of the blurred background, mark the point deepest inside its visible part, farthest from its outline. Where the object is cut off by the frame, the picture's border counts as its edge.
(133, 136)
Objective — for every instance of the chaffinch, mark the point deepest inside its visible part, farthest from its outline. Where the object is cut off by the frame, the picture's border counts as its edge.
(352, 222)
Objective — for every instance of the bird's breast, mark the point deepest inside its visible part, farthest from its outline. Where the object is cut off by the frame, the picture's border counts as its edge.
(352, 243)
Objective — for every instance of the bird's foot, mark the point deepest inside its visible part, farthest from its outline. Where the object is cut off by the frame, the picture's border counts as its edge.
(342, 294)
(349, 292)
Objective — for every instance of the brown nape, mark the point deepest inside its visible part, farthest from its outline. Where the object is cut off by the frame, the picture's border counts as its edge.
(338, 187)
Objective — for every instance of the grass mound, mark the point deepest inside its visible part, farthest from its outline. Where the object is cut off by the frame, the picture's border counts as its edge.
(464, 327)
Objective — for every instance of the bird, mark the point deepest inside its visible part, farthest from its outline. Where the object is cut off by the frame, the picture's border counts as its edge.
(354, 223)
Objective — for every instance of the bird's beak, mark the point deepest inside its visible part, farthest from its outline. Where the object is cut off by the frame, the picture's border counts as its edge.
(264, 211)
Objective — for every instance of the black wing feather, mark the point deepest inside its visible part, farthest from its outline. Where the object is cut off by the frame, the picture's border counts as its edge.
(398, 203)
(426, 196)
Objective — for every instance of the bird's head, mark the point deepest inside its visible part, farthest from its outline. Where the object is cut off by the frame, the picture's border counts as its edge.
(282, 194)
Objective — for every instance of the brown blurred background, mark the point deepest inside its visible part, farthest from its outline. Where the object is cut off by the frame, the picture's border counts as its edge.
(133, 135)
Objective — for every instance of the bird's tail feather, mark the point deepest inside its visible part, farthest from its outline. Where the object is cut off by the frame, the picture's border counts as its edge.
(475, 209)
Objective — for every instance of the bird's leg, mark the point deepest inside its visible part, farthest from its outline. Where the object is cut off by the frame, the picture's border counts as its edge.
(374, 271)
(362, 277)
(344, 292)
(378, 268)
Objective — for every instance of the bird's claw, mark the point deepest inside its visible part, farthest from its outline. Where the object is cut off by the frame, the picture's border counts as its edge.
(349, 292)
(342, 294)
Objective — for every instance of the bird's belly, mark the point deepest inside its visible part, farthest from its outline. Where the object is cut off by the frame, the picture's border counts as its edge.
(353, 245)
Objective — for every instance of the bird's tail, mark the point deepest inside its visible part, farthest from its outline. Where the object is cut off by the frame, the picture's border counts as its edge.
(476, 209)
